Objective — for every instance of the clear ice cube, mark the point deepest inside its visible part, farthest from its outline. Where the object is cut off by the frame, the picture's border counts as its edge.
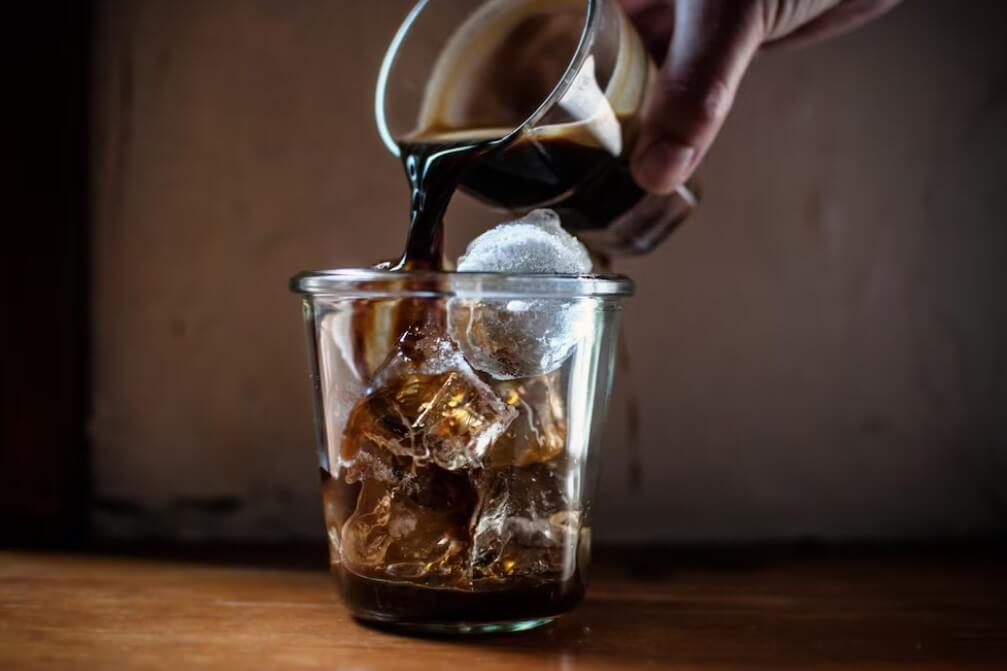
(525, 524)
(538, 433)
(514, 339)
(417, 528)
(425, 404)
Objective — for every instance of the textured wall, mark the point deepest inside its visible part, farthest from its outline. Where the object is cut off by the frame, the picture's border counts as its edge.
(821, 351)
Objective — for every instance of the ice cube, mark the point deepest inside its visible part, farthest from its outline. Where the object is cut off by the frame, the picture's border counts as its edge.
(535, 243)
(538, 434)
(417, 528)
(427, 405)
(517, 338)
(514, 339)
(525, 524)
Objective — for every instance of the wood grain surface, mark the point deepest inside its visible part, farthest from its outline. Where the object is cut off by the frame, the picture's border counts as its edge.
(95, 612)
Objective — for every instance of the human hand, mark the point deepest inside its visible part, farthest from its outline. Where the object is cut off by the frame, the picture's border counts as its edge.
(704, 48)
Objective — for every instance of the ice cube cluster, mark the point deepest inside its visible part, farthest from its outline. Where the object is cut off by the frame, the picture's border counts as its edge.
(460, 479)
(453, 465)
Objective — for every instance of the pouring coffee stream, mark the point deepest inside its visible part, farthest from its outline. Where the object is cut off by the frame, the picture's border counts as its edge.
(434, 171)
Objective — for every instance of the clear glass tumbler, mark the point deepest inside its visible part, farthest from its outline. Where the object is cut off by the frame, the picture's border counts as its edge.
(458, 418)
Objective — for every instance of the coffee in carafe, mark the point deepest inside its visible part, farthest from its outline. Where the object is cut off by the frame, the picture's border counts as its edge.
(521, 113)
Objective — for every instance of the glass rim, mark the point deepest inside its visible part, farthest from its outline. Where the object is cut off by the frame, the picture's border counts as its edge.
(584, 46)
(373, 282)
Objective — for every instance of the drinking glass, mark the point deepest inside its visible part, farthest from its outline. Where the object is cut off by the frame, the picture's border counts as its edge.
(456, 501)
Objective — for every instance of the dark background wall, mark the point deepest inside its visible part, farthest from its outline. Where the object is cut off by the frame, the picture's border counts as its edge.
(822, 351)
(44, 274)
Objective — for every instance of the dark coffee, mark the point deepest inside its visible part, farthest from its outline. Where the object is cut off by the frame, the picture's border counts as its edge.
(402, 603)
(585, 185)
(434, 171)
(523, 581)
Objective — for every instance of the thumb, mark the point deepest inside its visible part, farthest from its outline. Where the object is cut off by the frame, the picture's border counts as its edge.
(711, 46)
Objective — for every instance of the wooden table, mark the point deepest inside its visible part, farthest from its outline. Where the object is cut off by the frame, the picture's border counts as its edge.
(856, 612)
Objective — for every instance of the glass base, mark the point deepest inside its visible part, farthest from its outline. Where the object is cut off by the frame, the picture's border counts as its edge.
(459, 628)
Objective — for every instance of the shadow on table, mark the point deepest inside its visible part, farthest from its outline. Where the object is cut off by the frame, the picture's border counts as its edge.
(775, 607)
(804, 625)
(633, 562)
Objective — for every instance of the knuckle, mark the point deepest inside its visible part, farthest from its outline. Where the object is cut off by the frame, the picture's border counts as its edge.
(704, 101)
(716, 102)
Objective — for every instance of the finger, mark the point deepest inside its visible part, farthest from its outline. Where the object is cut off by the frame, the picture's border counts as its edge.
(711, 46)
(840, 19)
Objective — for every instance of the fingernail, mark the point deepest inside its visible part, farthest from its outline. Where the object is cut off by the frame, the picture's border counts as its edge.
(661, 167)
